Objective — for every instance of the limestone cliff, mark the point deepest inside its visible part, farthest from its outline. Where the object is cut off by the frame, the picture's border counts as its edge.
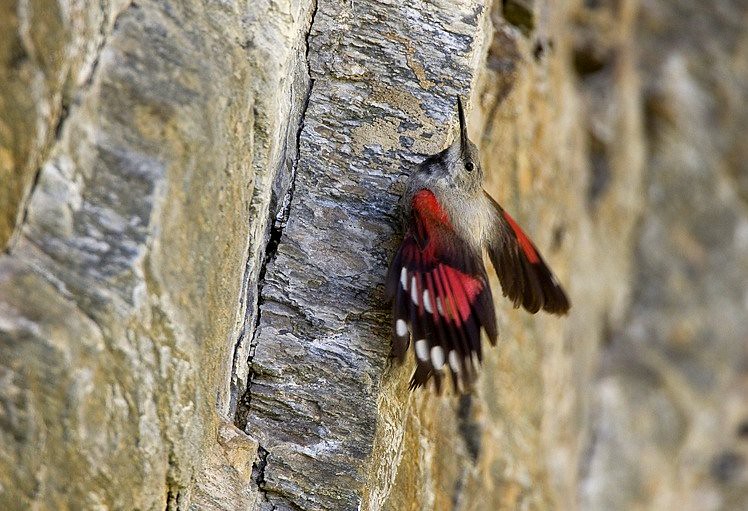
(197, 210)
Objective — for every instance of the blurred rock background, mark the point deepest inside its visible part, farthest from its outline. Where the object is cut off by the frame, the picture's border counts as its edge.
(197, 211)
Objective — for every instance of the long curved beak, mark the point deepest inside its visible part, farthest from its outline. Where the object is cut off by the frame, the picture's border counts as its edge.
(463, 124)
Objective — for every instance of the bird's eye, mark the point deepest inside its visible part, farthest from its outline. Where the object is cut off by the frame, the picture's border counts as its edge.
(469, 166)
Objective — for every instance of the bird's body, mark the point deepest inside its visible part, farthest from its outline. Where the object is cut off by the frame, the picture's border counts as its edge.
(469, 215)
(437, 281)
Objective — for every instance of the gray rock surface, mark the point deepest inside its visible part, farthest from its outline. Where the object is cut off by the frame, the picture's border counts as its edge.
(317, 386)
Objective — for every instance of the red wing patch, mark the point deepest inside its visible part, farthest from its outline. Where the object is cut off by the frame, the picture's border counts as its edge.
(525, 277)
(441, 298)
(524, 242)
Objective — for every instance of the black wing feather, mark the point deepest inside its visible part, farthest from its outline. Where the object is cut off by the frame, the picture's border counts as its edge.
(525, 277)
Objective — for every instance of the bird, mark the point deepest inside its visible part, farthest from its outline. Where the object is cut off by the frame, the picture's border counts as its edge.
(437, 281)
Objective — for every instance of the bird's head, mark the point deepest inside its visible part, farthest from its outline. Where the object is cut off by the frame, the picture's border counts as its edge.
(458, 166)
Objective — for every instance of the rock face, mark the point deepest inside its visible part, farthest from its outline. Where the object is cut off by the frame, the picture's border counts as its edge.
(122, 292)
(669, 413)
(197, 209)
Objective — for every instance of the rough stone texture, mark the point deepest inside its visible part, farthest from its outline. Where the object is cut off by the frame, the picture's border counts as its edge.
(317, 401)
(48, 54)
(670, 404)
(197, 207)
(121, 293)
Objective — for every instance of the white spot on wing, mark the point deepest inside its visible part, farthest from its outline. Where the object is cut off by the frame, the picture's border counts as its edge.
(437, 357)
(422, 350)
(404, 278)
(427, 301)
(454, 361)
(401, 328)
(414, 290)
(439, 306)
(474, 359)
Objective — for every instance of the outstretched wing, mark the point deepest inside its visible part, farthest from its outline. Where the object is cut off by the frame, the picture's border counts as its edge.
(525, 277)
(441, 297)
